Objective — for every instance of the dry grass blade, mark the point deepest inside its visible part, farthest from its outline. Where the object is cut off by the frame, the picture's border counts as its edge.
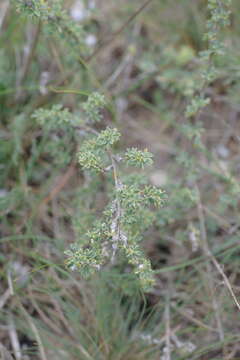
(35, 332)
(4, 6)
(14, 339)
(210, 255)
(4, 353)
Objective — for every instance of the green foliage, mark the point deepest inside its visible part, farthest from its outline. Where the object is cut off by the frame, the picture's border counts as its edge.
(196, 104)
(135, 157)
(56, 19)
(59, 138)
(52, 118)
(131, 210)
(93, 106)
(91, 154)
(182, 200)
(219, 18)
(107, 138)
(126, 216)
(134, 198)
(193, 133)
(40, 8)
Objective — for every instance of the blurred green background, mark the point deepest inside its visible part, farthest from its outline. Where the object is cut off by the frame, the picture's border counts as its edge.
(144, 57)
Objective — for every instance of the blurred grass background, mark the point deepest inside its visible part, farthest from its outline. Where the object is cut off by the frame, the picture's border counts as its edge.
(144, 62)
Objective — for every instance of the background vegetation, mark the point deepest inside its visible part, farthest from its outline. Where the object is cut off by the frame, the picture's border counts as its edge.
(68, 68)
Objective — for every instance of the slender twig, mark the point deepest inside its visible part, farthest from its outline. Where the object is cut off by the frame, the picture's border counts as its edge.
(10, 283)
(14, 339)
(117, 234)
(192, 319)
(168, 329)
(28, 59)
(225, 279)
(208, 265)
(4, 9)
(4, 298)
(36, 333)
(210, 255)
(104, 44)
(46, 319)
(4, 353)
(45, 98)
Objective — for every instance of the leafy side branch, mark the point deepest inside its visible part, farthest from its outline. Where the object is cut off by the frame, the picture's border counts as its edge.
(117, 235)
